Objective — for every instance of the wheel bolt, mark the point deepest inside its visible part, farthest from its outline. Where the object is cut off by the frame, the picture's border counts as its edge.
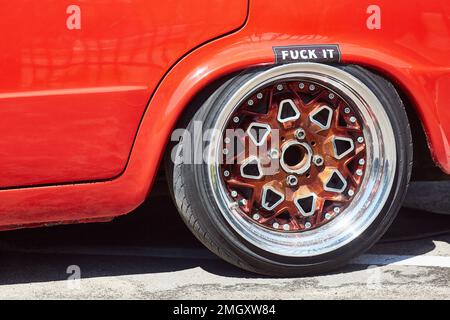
(279, 87)
(291, 180)
(256, 216)
(286, 227)
(359, 172)
(259, 95)
(347, 110)
(274, 154)
(307, 225)
(300, 134)
(318, 160)
(301, 85)
(331, 96)
(360, 139)
(361, 162)
(226, 173)
(327, 216)
(336, 210)
(312, 87)
(276, 225)
(234, 193)
(351, 192)
(227, 140)
(250, 102)
(225, 151)
(236, 119)
(352, 119)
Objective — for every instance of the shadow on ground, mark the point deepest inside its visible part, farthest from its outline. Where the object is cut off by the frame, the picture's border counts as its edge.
(155, 224)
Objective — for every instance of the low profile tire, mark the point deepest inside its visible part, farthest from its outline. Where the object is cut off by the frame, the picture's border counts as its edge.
(315, 177)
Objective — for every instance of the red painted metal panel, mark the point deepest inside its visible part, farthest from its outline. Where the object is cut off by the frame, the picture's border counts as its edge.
(71, 100)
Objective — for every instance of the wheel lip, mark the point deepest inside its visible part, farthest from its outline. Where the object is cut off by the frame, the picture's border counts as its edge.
(353, 221)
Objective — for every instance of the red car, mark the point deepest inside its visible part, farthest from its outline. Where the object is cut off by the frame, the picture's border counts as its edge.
(286, 128)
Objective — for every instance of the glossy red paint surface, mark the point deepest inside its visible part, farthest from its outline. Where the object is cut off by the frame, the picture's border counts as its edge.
(71, 100)
(412, 49)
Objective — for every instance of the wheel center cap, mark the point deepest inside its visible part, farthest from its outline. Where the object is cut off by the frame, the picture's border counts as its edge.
(296, 157)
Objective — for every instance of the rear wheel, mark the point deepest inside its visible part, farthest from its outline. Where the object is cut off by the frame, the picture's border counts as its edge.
(298, 168)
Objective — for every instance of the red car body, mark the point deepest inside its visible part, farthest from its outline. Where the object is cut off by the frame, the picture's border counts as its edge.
(86, 111)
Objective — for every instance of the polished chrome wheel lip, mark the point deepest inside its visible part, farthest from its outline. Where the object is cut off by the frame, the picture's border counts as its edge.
(377, 180)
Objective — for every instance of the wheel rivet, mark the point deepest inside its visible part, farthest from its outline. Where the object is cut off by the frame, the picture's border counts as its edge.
(331, 96)
(236, 119)
(347, 110)
(242, 202)
(327, 216)
(291, 180)
(256, 216)
(259, 95)
(286, 227)
(351, 192)
(275, 225)
(361, 162)
(274, 154)
(226, 173)
(360, 139)
(336, 210)
(225, 151)
(234, 193)
(359, 172)
(300, 134)
(307, 225)
(279, 87)
(227, 140)
(312, 87)
(250, 102)
(301, 85)
(352, 119)
(318, 160)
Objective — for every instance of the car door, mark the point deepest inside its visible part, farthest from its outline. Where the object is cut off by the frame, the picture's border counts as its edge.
(76, 76)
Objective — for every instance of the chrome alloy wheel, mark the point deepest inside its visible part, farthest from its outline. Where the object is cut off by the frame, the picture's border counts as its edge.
(315, 169)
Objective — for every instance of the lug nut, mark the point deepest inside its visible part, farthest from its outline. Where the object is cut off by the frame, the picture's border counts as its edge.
(242, 202)
(291, 180)
(300, 134)
(274, 154)
(318, 160)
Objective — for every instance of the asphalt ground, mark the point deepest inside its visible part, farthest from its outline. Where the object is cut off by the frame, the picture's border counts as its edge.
(150, 254)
